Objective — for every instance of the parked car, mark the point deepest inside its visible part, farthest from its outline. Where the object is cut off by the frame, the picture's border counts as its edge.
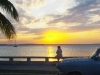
(80, 66)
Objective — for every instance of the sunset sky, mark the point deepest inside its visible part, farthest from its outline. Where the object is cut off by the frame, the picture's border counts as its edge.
(56, 22)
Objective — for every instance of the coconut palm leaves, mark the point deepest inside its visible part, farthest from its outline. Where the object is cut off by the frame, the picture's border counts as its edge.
(5, 25)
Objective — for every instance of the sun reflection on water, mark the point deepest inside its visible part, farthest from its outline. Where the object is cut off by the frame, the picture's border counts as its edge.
(50, 53)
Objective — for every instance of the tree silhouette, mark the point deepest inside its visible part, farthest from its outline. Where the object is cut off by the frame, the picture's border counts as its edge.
(5, 25)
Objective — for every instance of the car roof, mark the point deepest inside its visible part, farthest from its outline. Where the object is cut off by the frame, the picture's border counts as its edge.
(98, 50)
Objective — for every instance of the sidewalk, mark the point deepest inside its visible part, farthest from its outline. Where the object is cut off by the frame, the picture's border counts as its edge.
(28, 67)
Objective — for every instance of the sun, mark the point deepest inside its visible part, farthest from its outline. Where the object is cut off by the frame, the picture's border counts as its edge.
(54, 37)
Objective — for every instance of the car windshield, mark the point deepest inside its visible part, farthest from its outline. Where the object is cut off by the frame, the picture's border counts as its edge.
(93, 54)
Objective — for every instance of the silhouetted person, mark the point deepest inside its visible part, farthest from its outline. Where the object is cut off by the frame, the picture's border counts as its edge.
(59, 53)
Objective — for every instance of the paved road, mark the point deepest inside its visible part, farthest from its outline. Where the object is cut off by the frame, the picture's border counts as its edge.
(28, 67)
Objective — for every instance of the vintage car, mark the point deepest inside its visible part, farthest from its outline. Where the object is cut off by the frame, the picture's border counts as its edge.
(80, 66)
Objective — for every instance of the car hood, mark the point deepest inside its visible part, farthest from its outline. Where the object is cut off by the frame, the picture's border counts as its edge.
(76, 60)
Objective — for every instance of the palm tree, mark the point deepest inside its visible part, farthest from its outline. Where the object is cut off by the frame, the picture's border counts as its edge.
(5, 26)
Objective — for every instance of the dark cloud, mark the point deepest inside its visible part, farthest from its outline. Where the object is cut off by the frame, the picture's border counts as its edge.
(79, 28)
(84, 6)
(78, 18)
(80, 15)
(97, 23)
(40, 31)
(22, 28)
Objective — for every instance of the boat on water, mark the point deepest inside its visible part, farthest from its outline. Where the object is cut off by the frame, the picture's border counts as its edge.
(15, 45)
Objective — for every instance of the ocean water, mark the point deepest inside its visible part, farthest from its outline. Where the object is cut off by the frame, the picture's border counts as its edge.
(48, 50)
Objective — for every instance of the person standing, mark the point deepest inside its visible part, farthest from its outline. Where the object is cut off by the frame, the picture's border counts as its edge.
(59, 53)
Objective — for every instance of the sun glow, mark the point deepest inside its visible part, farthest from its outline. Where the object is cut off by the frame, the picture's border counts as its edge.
(54, 37)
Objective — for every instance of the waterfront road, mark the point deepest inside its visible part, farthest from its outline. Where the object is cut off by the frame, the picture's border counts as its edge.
(29, 67)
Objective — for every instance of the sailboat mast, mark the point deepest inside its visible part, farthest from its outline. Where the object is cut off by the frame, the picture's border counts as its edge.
(15, 43)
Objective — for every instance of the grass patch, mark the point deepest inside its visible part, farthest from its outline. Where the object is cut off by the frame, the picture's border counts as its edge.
(29, 71)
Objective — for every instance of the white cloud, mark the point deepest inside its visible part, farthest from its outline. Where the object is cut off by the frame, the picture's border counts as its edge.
(36, 3)
(19, 1)
(95, 18)
(79, 15)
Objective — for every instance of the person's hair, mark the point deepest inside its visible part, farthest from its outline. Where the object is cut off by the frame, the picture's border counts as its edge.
(58, 46)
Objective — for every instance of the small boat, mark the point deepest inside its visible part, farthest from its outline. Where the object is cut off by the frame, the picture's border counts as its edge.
(15, 44)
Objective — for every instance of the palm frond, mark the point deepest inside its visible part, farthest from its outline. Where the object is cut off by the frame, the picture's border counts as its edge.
(6, 27)
(9, 8)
